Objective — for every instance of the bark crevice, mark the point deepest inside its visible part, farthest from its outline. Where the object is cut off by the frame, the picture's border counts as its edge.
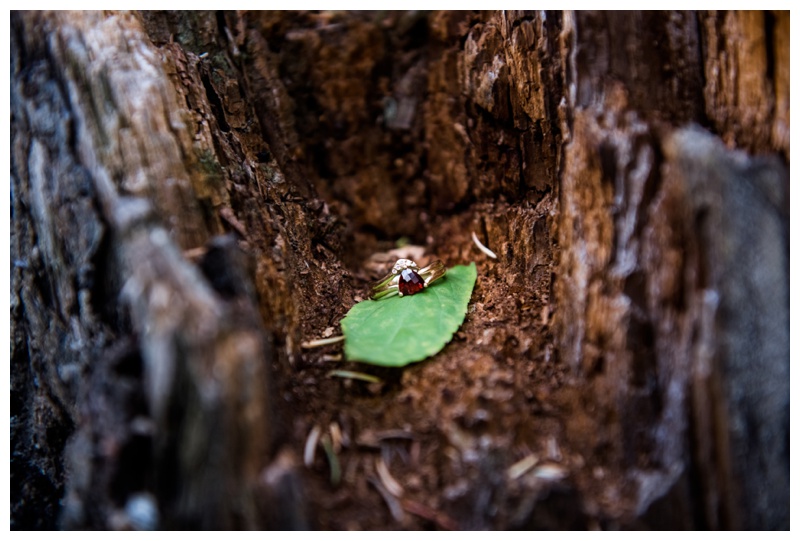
(193, 195)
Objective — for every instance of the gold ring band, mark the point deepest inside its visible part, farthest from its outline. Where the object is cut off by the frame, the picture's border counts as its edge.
(406, 278)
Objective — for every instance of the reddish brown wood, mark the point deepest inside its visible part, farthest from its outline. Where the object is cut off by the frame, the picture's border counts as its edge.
(194, 195)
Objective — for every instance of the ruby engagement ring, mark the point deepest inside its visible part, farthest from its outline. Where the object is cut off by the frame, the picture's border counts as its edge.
(407, 278)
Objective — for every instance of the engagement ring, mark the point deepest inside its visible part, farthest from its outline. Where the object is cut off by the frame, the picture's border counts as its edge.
(407, 278)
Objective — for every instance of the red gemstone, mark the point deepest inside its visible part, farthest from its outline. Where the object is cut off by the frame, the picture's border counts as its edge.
(410, 282)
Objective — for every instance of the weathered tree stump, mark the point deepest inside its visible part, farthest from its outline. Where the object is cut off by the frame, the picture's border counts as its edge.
(194, 195)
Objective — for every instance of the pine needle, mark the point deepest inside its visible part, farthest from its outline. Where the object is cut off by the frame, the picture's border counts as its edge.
(483, 248)
(354, 375)
(333, 460)
(322, 342)
(311, 445)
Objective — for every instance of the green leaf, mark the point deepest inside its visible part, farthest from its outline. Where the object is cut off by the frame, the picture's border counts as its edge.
(397, 330)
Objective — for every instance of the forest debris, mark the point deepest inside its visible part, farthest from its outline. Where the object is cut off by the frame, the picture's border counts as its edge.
(368, 438)
(550, 472)
(333, 460)
(234, 49)
(321, 342)
(426, 415)
(311, 445)
(462, 131)
(416, 449)
(350, 374)
(553, 451)
(331, 358)
(483, 248)
(229, 216)
(463, 441)
(519, 468)
(391, 502)
(388, 481)
(336, 436)
(442, 520)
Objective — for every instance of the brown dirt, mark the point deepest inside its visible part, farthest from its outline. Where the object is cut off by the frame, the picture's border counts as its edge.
(466, 415)
(448, 429)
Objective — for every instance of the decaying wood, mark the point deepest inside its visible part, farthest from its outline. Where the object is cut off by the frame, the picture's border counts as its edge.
(194, 195)
(205, 380)
(672, 249)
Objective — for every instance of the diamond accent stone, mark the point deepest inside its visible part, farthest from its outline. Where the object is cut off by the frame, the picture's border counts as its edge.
(410, 282)
(403, 264)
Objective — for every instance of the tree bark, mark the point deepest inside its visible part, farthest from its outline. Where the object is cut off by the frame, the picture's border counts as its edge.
(194, 195)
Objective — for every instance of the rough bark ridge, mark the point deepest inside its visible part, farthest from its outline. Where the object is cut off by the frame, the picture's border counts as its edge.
(196, 194)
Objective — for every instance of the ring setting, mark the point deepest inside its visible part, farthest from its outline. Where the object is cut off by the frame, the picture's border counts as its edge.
(406, 278)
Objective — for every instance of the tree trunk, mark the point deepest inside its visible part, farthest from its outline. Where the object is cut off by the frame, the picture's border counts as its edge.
(195, 195)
